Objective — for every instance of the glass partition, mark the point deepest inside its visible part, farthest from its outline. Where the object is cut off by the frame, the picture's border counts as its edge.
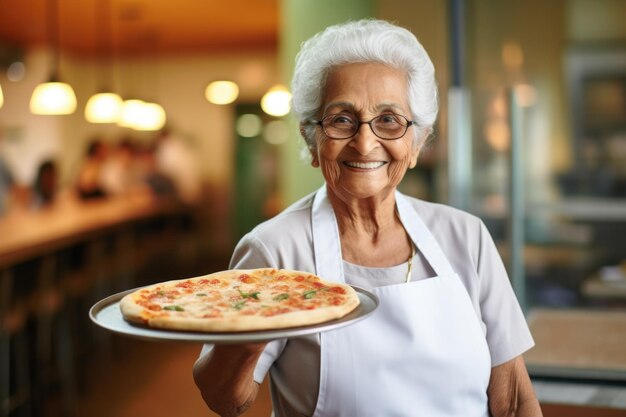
(547, 87)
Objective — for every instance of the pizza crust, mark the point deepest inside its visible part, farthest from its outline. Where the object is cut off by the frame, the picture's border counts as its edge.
(233, 320)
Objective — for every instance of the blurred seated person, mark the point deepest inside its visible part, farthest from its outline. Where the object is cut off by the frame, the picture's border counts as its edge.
(12, 194)
(119, 174)
(45, 186)
(7, 184)
(177, 161)
(160, 184)
(89, 184)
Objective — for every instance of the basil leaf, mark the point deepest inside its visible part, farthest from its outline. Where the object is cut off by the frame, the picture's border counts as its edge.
(281, 297)
(310, 293)
(173, 308)
(201, 294)
(254, 295)
(239, 305)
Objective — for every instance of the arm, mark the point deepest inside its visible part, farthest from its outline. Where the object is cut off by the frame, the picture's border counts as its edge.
(225, 377)
(510, 391)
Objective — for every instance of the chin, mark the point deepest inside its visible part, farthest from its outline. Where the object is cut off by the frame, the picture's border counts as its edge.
(364, 192)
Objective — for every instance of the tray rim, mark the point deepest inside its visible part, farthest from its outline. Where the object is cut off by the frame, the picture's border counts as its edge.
(125, 328)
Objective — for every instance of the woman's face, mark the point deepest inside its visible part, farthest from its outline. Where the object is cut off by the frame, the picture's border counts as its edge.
(364, 165)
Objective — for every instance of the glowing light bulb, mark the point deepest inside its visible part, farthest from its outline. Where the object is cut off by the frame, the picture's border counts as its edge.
(276, 102)
(221, 92)
(131, 113)
(53, 98)
(152, 117)
(103, 108)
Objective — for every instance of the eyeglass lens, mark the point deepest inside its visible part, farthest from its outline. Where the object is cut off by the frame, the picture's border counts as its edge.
(385, 126)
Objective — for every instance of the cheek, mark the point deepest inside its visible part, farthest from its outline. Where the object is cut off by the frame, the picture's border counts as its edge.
(331, 173)
(328, 152)
(402, 161)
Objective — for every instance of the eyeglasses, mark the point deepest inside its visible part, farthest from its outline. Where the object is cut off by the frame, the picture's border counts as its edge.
(388, 126)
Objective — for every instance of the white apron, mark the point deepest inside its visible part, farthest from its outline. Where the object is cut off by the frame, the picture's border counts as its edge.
(421, 353)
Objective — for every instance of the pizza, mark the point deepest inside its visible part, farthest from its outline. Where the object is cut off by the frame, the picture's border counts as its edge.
(239, 300)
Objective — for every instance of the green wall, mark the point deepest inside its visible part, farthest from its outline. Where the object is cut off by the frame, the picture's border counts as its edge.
(301, 19)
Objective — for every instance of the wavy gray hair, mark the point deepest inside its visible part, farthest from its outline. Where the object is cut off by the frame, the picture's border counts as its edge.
(367, 40)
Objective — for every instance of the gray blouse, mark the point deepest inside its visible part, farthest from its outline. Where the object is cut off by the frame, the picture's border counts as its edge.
(286, 242)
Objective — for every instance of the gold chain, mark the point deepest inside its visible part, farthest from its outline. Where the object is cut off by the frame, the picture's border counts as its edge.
(408, 274)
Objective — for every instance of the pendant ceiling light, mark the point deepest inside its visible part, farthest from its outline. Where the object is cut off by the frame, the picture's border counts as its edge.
(53, 97)
(131, 113)
(221, 92)
(152, 117)
(142, 115)
(276, 102)
(104, 106)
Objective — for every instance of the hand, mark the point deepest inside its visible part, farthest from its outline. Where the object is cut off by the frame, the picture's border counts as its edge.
(240, 348)
(225, 377)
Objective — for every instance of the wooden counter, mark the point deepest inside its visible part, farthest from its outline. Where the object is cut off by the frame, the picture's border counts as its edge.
(54, 263)
(26, 235)
(578, 344)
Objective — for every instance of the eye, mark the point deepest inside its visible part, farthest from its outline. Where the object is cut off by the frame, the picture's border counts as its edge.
(341, 121)
(389, 119)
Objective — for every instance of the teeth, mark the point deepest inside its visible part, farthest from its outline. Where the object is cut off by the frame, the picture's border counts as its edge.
(364, 165)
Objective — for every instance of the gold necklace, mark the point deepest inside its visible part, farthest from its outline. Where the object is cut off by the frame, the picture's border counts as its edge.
(408, 274)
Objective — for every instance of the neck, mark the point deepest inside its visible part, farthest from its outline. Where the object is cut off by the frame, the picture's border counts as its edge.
(370, 231)
(368, 216)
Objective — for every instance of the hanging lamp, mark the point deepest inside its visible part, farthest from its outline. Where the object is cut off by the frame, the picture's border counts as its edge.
(105, 106)
(276, 102)
(53, 97)
(131, 114)
(143, 115)
(152, 117)
(221, 92)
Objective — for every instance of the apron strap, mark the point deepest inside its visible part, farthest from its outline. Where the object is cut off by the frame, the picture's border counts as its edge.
(422, 237)
(326, 242)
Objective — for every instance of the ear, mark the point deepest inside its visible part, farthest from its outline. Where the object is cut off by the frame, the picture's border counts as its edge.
(416, 149)
(315, 161)
(414, 154)
(302, 131)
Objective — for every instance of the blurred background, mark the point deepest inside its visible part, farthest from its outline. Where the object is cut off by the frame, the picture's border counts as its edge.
(139, 139)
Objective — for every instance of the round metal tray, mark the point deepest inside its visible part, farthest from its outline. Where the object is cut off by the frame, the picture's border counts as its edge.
(106, 314)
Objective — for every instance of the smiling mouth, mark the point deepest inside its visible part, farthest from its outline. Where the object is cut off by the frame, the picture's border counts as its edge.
(364, 165)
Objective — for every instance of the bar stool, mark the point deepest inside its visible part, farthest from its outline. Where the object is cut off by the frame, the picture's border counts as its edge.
(15, 387)
(54, 350)
(77, 286)
(97, 270)
(123, 260)
(87, 271)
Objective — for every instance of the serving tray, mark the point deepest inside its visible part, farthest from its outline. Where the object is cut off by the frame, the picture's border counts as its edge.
(106, 314)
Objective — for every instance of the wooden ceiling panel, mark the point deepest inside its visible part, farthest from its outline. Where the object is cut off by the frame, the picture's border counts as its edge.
(143, 26)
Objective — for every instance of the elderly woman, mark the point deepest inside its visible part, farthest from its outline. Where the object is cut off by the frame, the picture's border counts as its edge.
(447, 337)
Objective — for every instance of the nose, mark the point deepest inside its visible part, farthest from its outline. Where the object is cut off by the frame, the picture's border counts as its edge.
(364, 140)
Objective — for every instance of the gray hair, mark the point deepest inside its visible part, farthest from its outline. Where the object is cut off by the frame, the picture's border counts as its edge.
(367, 40)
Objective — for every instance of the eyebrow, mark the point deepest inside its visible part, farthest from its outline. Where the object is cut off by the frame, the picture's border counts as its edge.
(377, 108)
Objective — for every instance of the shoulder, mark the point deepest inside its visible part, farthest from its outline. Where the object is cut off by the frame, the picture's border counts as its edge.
(446, 219)
(292, 221)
